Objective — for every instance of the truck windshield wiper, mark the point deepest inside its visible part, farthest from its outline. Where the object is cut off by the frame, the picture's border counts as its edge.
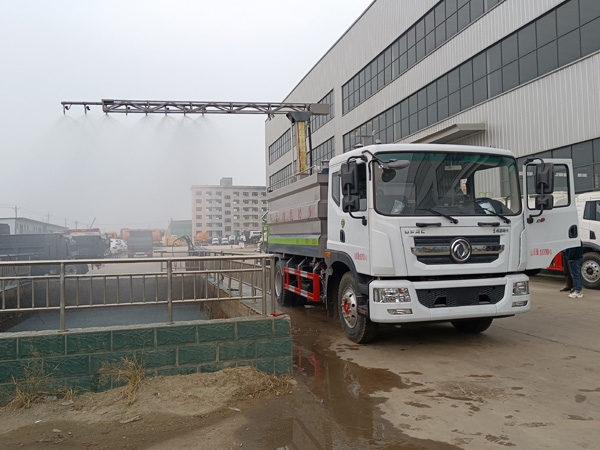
(438, 213)
(494, 213)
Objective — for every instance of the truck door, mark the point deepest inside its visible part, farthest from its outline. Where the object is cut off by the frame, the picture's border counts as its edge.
(550, 212)
(347, 227)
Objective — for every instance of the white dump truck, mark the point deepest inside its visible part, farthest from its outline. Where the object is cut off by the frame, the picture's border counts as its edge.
(390, 234)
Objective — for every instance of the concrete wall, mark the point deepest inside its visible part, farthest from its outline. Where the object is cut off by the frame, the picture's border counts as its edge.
(75, 357)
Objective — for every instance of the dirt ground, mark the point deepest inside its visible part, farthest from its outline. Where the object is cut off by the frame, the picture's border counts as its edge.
(199, 411)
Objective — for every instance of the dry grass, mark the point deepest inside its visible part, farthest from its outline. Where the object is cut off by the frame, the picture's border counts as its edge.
(263, 384)
(130, 373)
(69, 394)
(30, 389)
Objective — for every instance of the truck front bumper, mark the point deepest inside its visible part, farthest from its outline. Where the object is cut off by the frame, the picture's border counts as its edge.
(429, 301)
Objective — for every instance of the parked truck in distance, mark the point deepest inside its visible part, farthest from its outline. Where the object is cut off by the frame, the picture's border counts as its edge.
(157, 235)
(140, 243)
(91, 244)
(42, 247)
(392, 234)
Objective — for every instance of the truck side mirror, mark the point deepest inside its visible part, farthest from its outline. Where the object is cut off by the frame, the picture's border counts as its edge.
(349, 175)
(544, 179)
(544, 202)
(350, 203)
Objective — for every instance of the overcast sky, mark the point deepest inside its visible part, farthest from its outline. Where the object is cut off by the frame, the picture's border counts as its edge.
(136, 171)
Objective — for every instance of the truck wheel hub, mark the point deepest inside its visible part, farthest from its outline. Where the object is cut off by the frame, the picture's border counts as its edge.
(591, 271)
(349, 308)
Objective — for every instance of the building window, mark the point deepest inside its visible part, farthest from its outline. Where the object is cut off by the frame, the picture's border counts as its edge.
(551, 41)
(280, 147)
(586, 163)
(281, 178)
(323, 152)
(434, 28)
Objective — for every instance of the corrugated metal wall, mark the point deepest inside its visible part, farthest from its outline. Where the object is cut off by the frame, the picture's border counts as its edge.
(557, 109)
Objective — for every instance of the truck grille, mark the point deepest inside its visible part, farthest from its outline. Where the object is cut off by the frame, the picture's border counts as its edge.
(478, 295)
(432, 250)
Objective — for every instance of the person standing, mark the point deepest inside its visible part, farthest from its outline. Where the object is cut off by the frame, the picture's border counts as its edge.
(574, 257)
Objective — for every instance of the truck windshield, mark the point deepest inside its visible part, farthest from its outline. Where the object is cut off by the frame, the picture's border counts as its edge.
(454, 184)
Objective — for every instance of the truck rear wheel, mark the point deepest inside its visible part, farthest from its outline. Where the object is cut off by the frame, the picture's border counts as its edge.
(358, 328)
(590, 270)
(473, 325)
(282, 296)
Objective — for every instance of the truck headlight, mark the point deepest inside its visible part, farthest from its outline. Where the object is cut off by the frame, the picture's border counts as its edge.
(521, 288)
(391, 295)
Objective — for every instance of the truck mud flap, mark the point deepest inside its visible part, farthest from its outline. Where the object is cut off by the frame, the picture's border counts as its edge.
(363, 310)
(314, 296)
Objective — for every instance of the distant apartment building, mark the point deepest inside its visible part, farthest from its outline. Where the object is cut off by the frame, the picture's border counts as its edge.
(226, 210)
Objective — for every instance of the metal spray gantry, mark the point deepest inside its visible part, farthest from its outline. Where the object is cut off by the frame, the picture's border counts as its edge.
(194, 107)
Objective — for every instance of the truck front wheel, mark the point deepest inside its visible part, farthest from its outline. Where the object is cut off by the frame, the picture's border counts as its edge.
(357, 327)
(590, 270)
(473, 325)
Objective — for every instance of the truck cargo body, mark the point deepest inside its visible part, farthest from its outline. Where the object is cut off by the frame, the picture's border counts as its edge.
(40, 247)
(140, 243)
(419, 233)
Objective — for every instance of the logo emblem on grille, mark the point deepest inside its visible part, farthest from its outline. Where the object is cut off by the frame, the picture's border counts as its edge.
(460, 250)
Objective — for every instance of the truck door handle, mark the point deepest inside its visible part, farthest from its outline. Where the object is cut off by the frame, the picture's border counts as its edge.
(342, 236)
(573, 231)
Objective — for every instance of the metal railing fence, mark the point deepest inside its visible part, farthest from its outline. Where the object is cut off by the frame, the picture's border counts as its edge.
(136, 282)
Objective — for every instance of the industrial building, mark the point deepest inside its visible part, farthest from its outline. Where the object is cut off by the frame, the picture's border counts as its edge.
(226, 210)
(512, 74)
(23, 225)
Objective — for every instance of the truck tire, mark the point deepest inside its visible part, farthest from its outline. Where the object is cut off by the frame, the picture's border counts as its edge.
(590, 270)
(282, 296)
(358, 328)
(473, 325)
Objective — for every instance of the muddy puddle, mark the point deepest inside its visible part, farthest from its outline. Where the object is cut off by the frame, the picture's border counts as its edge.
(336, 403)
